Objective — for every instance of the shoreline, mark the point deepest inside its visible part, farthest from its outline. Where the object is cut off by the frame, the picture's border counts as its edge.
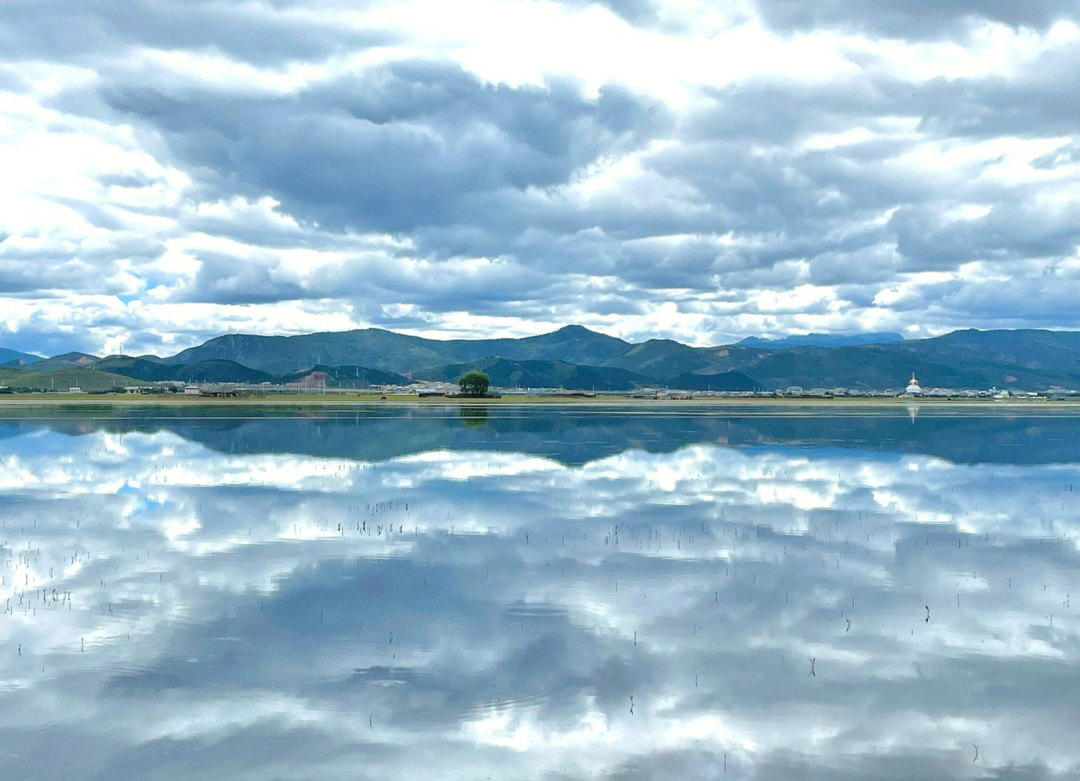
(339, 400)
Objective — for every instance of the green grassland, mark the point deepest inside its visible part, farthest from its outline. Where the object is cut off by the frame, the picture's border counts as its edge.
(89, 380)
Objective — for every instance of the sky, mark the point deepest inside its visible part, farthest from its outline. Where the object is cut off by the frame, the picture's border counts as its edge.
(171, 170)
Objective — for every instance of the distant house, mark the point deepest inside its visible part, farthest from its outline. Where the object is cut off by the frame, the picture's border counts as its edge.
(434, 389)
(222, 392)
(191, 390)
(75, 389)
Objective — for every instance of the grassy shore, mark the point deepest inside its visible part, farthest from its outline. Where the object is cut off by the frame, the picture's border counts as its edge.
(367, 399)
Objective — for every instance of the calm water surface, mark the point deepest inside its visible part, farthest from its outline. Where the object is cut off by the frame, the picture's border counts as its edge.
(539, 594)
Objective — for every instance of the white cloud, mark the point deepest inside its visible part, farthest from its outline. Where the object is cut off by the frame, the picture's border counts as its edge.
(569, 161)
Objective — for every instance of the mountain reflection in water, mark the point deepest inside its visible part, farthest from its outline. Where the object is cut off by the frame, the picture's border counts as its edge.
(444, 594)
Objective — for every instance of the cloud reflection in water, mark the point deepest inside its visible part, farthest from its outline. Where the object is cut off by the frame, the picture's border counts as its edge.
(180, 608)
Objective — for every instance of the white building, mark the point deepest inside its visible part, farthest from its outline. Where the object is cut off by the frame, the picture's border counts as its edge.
(913, 388)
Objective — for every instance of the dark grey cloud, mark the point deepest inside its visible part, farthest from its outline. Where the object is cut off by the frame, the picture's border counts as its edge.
(1008, 231)
(913, 18)
(1064, 155)
(399, 148)
(810, 201)
(224, 279)
(264, 33)
(37, 272)
(916, 20)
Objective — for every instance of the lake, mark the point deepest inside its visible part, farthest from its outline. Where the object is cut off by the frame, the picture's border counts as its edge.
(539, 593)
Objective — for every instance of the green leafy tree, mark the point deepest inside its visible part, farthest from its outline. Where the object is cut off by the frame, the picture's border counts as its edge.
(474, 383)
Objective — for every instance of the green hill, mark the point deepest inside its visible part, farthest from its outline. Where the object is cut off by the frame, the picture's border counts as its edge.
(153, 370)
(979, 359)
(346, 377)
(1032, 350)
(571, 344)
(215, 370)
(378, 349)
(89, 380)
(668, 359)
(720, 381)
(398, 353)
(66, 361)
(140, 368)
(507, 373)
(219, 371)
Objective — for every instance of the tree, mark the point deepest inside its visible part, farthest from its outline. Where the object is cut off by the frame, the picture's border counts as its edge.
(474, 383)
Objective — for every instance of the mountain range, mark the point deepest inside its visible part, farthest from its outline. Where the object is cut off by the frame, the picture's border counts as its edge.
(16, 358)
(576, 358)
(823, 340)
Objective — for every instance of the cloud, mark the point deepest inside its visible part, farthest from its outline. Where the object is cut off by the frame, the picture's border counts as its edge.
(395, 149)
(258, 33)
(919, 19)
(644, 168)
(634, 11)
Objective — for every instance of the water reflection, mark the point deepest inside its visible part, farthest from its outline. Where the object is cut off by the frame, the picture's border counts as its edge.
(398, 595)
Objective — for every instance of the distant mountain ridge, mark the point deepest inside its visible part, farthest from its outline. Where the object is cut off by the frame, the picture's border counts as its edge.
(822, 340)
(16, 358)
(577, 358)
(399, 353)
(72, 360)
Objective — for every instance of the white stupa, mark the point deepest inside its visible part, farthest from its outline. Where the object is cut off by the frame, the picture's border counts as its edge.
(913, 388)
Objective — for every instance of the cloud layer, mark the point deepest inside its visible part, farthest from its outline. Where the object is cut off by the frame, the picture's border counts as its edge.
(689, 169)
